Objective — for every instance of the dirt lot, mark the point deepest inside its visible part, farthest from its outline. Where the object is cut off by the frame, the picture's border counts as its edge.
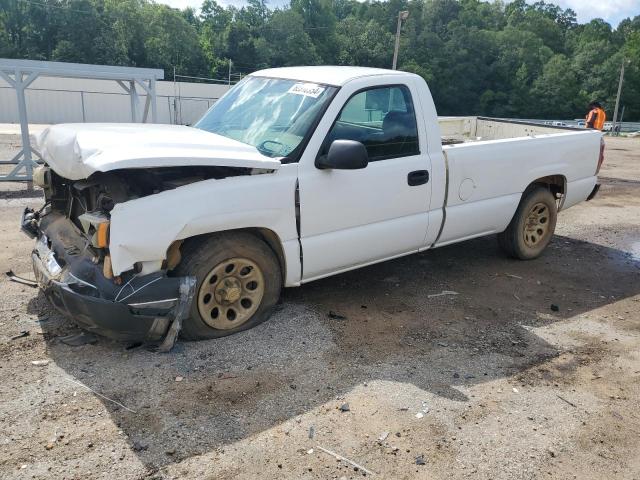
(490, 383)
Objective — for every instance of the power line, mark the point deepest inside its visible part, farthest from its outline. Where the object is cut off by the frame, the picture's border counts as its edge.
(203, 78)
(60, 7)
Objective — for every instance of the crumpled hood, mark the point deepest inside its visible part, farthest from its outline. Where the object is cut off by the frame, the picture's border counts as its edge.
(76, 150)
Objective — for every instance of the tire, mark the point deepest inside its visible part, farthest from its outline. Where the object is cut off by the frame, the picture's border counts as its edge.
(238, 283)
(532, 226)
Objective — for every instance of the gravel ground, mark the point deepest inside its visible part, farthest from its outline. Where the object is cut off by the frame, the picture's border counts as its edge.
(491, 383)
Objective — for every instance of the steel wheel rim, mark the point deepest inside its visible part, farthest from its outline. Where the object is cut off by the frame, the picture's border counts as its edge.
(231, 293)
(536, 225)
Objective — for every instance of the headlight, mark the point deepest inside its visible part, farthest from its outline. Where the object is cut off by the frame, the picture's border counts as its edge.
(42, 176)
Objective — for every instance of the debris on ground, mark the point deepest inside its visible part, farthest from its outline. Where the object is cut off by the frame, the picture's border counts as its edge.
(513, 276)
(566, 401)
(345, 407)
(97, 393)
(442, 294)
(420, 460)
(336, 316)
(79, 339)
(383, 437)
(22, 334)
(312, 432)
(555, 308)
(24, 281)
(423, 411)
(345, 459)
(39, 363)
(179, 378)
(139, 446)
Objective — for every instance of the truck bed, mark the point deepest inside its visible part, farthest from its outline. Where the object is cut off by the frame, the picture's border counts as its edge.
(490, 162)
(473, 129)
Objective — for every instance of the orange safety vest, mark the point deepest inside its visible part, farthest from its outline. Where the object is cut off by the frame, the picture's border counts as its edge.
(596, 118)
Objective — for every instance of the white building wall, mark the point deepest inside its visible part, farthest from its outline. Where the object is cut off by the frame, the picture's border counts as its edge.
(63, 100)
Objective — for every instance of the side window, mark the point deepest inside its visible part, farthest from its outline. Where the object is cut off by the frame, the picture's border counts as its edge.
(382, 119)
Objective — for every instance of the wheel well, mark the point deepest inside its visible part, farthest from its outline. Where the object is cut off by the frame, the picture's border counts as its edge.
(273, 240)
(557, 184)
(270, 237)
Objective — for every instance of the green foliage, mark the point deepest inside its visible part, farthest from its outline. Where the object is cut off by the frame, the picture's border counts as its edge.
(510, 59)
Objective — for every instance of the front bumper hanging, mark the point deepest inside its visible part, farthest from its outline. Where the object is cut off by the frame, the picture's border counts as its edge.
(147, 308)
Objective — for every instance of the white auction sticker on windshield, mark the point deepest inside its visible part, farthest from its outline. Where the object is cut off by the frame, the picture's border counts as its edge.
(307, 89)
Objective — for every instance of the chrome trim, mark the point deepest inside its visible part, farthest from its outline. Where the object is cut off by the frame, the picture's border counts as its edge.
(47, 257)
(82, 281)
(142, 304)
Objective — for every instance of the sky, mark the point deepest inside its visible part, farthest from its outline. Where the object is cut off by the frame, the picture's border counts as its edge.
(613, 11)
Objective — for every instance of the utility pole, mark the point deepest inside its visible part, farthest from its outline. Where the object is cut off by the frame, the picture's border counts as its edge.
(615, 111)
(175, 99)
(229, 72)
(401, 17)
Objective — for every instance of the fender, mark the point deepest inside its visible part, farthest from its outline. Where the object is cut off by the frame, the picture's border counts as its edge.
(143, 229)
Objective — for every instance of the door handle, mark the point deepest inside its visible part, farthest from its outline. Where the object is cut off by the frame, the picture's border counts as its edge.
(417, 177)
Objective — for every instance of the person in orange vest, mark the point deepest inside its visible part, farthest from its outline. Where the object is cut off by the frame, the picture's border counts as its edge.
(596, 116)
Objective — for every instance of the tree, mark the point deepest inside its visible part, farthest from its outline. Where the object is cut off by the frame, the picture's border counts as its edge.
(519, 58)
(171, 41)
(318, 18)
(556, 92)
(286, 41)
(363, 43)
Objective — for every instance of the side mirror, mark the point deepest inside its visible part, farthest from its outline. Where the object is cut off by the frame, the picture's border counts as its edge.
(344, 155)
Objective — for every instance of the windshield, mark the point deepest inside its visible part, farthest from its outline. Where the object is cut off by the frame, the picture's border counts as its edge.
(271, 114)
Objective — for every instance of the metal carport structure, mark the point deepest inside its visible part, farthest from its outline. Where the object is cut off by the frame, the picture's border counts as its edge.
(19, 74)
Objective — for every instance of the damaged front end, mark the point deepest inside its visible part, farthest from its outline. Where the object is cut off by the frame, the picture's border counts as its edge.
(72, 265)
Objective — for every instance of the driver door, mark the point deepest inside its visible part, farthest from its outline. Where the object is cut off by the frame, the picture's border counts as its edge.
(350, 218)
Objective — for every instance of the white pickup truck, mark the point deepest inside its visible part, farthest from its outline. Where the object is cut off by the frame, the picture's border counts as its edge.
(294, 175)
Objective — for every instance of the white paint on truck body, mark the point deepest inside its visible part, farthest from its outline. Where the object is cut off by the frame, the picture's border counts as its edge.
(502, 169)
(348, 218)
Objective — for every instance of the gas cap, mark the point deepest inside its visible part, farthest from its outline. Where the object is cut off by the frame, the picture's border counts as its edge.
(466, 189)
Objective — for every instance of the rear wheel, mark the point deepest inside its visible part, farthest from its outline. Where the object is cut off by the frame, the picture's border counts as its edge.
(238, 284)
(532, 226)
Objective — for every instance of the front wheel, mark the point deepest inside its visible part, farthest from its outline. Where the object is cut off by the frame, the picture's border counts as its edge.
(238, 284)
(532, 226)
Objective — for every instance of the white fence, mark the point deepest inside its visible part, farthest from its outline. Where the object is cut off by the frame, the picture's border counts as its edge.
(62, 100)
